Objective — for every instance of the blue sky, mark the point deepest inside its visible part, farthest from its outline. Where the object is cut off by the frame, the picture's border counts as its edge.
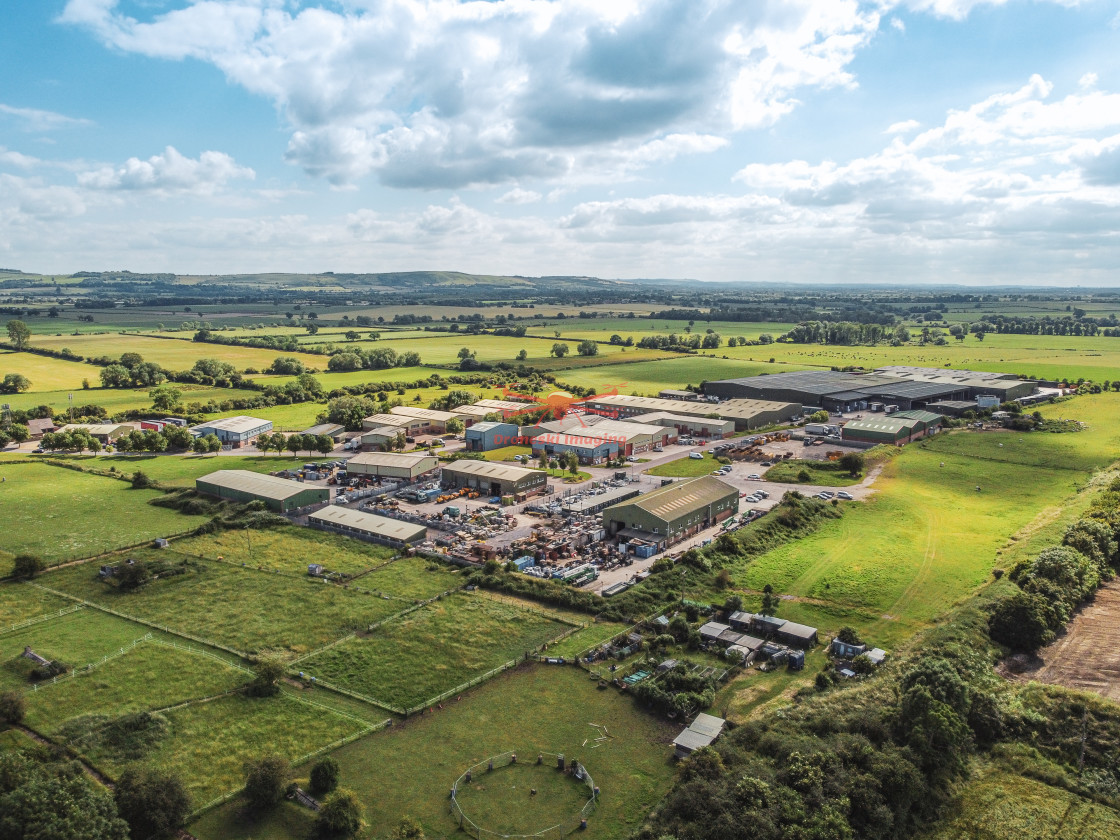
(929, 141)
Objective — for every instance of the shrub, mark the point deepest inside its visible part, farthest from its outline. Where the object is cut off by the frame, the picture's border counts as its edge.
(265, 781)
(324, 775)
(269, 671)
(340, 816)
(12, 707)
(153, 803)
(26, 566)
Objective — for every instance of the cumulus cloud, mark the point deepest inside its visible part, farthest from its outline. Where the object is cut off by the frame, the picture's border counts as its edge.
(170, 172)
(519, 196)
(442, 93)
(34, 119)
(904, 127)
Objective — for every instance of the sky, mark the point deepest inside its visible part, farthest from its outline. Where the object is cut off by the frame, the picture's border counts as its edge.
(810, 141)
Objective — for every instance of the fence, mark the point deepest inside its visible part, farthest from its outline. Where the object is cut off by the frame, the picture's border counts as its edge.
(40, 618)
(555, 832)
(439, 698)
(89, 667)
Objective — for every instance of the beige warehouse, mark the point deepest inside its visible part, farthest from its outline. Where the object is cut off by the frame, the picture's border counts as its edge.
(391, 465)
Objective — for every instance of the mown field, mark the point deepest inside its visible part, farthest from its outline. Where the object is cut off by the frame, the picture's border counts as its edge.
(927, 537)
(410, 660)
(179, 471)
(116, 400)
(47, 373)
(408, 769)
(61, 514)
(244, 609)
(286, 549)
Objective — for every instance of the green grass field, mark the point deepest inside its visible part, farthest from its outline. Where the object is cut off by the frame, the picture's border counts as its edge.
(687, 467)
(821, 473)
(19, 602)
(408, 769)
(46, 373)
(410, 660)
(178, 471)
(501, 802)
(244, 609)
(115, 400)
(287, 549)
(62, 514)
(150, 676)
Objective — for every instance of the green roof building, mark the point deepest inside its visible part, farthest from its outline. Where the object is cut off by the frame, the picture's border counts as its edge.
(897, 429)
(280, 494)
(674, 512)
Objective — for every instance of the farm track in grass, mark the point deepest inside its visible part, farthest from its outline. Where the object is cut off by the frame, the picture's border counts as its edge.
(409, 768)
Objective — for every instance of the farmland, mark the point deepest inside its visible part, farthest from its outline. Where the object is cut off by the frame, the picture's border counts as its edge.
(447, 643)
(62, 514)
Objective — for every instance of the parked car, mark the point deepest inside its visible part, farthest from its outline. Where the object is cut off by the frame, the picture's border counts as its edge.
(762, 493)
(696, 456)
(845, 495)
(754, 477)
(767, 464)
(717, 472)
(632, 458)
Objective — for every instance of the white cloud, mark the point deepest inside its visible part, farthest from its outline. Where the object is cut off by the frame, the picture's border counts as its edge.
(519, 196)
(18, 159)
(898, 24)
(34, 119)
(904, 127)
(1089, 80)
(442, 93)
(170, 172)
(960, 9)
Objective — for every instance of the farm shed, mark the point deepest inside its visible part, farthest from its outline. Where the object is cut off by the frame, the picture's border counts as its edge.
(711, 631)
(493, 479)
(280, 494)
(705, 427)
(432, 422)
(798, 635)
(888, 430)
(701, 733)
(234, 431)
(589, 450)
(487, 435)
(675, 511)
(391, 465)
(368, 526)
(927, 423)
(332, 430)
(102, 432)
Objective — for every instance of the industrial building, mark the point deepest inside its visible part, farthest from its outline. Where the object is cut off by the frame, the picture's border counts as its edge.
(368, 526)
(589, 450)
(507, 407)
(901, 386)
(432, 422)
(677, 394)
(701, 427)
(234, 431)
(493, 479)
(897, 429)
(376, 421)
(280, 494)
(101, 432)
(632, 438)
(488, 435)
(381, 437)
(332, 430)
(391, 465)
(673, 512)
(746, 413)
(471, 414)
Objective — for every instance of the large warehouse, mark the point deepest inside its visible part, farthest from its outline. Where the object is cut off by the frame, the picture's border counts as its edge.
(904, 387)
(493, 479)
(432, 422)
(589, 450)
(897, 429)
(746, 413)
(632, 437)
(280, 494)
(703, 427)
(391, 465)
(673, 512)
(368, 526)
(234, 431)
(489, 434)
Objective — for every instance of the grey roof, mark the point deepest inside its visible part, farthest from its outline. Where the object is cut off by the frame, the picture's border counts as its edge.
(741, 616)
(369, 523)
(692, 740)
(240, 424)
(258, 484)
(421, 413)
(713, 628)
(801, 631)
(488, 469)
(488, 426)
(324, 429)
(707, 725)
(394, 459)
(673, 500)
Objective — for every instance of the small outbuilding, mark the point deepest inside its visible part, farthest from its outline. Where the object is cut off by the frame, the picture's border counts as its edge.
(702, 732)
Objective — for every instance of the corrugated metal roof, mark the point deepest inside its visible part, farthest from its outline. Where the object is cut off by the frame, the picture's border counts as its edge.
(369, 523)
(240, 424)
(394, 459)
(578, 441)
(389, 419)
(473, 410)
(258, 484)
(707, 724)
(675, 499)
(507, 405)
(879, 424)
(488, 469)
(918, 414)
(421, 413)
(324, 429)
(383, 431)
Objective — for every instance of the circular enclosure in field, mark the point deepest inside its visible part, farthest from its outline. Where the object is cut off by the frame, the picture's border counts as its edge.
(526, 796)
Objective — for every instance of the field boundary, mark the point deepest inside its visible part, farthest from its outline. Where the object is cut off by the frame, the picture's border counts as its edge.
(85, 669)
(41, 618)
(439, 698)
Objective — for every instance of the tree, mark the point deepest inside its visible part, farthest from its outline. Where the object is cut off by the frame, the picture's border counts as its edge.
(522, 355)
(455, 426)
(61, 805)
(819, 416)
(324, 444)
(345, 362)
(340, 816)
(115, 376)
(560, 350)
(294, 444)
(853, 462)
(465, 353)
(166, 398)
(587, 347)
(132, 575)
(311, 328)
(265, 781)
(26, 566)
(14, 383)
(1021, 621)
(268, 672)
(278, 441)
(324, 776)
(352, 335)
(770, 601)
(19, 334)
(12, 707)
(155, 804)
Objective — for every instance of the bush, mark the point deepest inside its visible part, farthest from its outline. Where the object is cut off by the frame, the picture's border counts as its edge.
(141, 481)
(26, 566)
(12, 707)
(324, 776)
(265, 781)
(340, 816)
(266, 683)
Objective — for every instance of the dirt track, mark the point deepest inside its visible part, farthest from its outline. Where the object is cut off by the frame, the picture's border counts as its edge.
(1087, 655)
